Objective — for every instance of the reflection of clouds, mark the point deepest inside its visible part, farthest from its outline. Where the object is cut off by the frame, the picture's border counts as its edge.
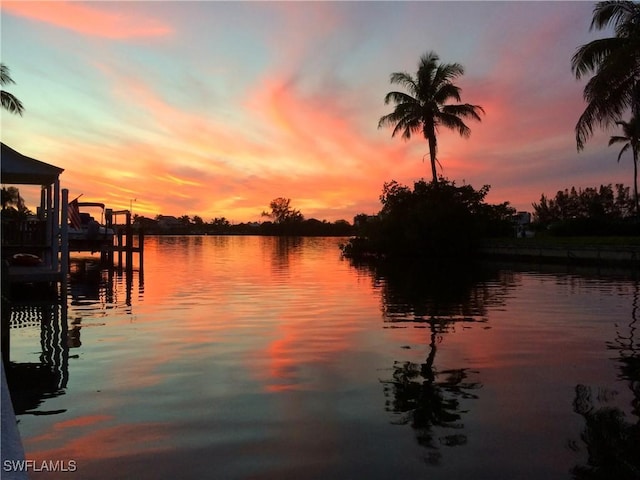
(97, 440)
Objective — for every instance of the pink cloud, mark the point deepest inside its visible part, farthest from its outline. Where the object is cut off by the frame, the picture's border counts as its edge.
(88, 20)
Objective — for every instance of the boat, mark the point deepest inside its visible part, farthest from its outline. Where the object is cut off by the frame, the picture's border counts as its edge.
(85, 233)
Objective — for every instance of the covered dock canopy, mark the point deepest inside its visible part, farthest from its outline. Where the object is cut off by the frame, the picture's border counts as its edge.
(44, 236)
(18, 169)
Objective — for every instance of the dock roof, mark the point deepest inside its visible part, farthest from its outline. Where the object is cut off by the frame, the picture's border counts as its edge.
(18, 169)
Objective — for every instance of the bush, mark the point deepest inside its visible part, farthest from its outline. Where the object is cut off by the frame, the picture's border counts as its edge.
(432, 220)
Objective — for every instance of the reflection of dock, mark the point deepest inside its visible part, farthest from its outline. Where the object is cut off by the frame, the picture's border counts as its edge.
(30, 383)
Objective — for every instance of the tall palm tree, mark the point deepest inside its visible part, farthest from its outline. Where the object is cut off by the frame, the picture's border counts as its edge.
(9, 101)
(615, 64)
(631, 140)
(424, 108)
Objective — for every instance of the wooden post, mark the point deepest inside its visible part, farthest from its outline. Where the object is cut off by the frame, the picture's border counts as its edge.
(64, 241)
(48, 254)
(55, 227)
(129, 237)
(119, 248)
(140, 251)
(108, 255)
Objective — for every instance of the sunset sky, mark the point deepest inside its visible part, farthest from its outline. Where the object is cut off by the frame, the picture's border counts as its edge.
(215, 108)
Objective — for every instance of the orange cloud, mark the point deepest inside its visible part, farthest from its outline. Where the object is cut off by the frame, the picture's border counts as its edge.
(87, 19)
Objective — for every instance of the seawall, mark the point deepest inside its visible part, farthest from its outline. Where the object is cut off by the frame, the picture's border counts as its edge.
(588, 254)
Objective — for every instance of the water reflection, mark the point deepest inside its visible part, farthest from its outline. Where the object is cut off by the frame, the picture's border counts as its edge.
(283, 249)
(91, 289)
(31, 383)
(612, 443)
(92, 286)
(432, 400)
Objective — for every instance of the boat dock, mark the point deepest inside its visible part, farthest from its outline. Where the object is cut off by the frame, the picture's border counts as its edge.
(125, 242)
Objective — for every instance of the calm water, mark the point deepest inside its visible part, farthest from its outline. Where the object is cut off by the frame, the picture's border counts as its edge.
(267, 358)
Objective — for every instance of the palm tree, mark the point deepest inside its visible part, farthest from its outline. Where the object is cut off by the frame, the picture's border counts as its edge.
(424, 108)
(9, 101)
(631, 140)
(11, 199)
(615, 63)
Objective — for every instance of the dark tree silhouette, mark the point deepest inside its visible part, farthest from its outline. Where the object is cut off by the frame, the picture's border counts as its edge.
(425, 107)
(282, 212)
(615, 65)
(631, 140)
(9, 101)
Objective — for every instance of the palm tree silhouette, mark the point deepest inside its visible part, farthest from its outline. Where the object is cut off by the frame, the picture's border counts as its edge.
(424, 108)
(631, 140)
(615, 63)
(9, 101)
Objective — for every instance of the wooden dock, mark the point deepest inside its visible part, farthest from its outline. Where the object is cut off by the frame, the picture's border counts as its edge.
(34, 274)
(125, 240)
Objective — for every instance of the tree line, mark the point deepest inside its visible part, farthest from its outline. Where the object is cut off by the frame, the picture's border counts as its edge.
(282, 219)
(606, 210)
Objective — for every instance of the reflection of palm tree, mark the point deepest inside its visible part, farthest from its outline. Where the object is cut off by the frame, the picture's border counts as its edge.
(424, 108)
(631, 140)
(629, 352)
(422, 396)
(612, 443)
(9, 101)
(427, 402)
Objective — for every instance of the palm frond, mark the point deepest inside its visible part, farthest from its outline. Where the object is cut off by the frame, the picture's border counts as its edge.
(618, 13)
(11, 103)
(617, 139)
(446, 73)
(398, 98)
(404, 79)
(446, 92)
(623, 150)
(590, 56)
(465, 110)
(454, 122)
(5, 76)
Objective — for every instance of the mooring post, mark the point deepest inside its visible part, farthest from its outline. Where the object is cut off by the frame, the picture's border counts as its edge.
(129, 235)
(120, 248)
(64, 243)
(140, 250)
(107, 255)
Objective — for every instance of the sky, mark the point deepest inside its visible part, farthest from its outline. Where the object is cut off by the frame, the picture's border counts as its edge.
(215, 108)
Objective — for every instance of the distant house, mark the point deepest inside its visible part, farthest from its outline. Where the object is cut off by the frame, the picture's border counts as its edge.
(522, 222)
(169, 223)
(361, 219)
(523, 218)
(145, 223)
